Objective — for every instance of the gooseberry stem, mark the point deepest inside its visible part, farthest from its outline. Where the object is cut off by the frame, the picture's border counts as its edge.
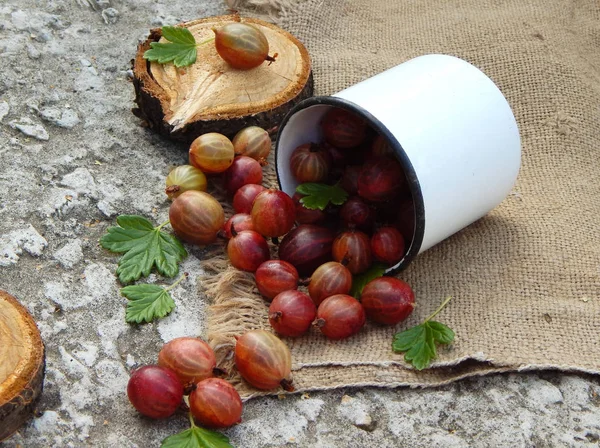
(440, 308)
(179, 280)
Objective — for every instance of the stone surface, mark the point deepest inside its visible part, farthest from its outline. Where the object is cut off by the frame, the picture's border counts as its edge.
(61, 187)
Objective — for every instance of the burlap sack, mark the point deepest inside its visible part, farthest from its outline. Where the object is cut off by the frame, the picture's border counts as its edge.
(526, 278)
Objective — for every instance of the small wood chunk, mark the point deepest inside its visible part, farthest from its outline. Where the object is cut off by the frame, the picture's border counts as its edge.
(21, 365)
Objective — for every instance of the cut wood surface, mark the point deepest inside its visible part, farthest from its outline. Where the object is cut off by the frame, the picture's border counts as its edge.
(21, 364)
(211, 96)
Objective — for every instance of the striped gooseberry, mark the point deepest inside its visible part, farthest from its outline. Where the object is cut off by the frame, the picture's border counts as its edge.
(241, 45)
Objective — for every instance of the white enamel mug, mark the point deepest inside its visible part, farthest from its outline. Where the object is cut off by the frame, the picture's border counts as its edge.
(451, 129)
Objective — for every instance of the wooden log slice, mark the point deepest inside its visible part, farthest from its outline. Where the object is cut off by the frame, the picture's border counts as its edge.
(21, 365)
(211, 96)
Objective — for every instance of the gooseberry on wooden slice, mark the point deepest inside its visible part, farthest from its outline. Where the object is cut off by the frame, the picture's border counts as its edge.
(242, 45)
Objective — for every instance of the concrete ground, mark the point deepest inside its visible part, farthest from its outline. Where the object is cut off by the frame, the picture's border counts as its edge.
(72, 158)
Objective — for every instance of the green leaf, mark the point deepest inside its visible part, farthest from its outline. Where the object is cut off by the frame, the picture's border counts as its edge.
(423, 349)
(404, 340)
(318, 196)
(144, 247)
(441, 333)
(360, 281)
(181, 48)
(418, 343)
(146, 303)
(196, 437)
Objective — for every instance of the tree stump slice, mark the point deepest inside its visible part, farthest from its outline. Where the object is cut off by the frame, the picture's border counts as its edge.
(211, 96)
(21, 365)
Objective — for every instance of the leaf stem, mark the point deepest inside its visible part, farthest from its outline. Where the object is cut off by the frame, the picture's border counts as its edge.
(163, 224)
(170, 287)
(440, 308)
(205, 41)
(191, 417)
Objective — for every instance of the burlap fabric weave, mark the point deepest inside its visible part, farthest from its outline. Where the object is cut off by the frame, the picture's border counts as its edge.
(526, 278)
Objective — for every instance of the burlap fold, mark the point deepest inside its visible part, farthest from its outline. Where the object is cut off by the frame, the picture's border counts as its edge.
(526, 278)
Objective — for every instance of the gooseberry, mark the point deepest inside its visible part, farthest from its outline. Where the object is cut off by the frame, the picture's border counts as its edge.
(291, 313)
(191, 359)
(309, 163)
(183, 178)
(340, 316)
(264, 360)
(274, 277)
(196, 217)
(247, 250)
(244, 170)
(329, 279)
(306, 247)
(388, 300)
(215, 403)
(343, 129)
(155, 391)
(254, 142)
(211, 153)
(273, 213)
(242, 46)
(354, 249)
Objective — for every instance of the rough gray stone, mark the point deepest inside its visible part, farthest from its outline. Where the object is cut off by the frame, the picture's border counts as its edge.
(70, 254)
(33, 52)
(31, 129)
(4, 109)
(14, 243)
(357, 412)
(110, 16)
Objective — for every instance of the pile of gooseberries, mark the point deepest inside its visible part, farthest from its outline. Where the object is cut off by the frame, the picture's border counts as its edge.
(308, 284)
(321, 251)
(187, 367)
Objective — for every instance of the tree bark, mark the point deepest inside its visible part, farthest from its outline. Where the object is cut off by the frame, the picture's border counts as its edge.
(21, 365)
(210, 96)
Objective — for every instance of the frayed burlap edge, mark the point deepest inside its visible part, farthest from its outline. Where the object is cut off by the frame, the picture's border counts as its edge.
(271, 9)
